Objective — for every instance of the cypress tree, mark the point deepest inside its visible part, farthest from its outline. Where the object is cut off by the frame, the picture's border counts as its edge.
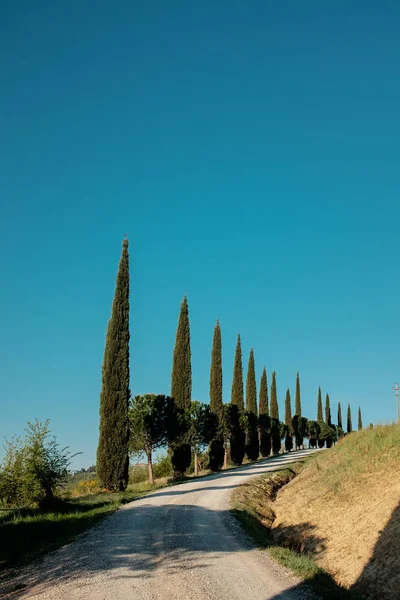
(288, 422)
(216, 373)
(359, 419)
(237, 383)
(339, 416)
(251, 390)
(252, 442)
(181, 388)
(328, 418)
(298, 398)
(349, 424)
(181, 378)
(113, 448)
(237, 438)
(275, 425)
(263, 407)
(216, 448)
(274, 409)
(320, 416)
(264, 421)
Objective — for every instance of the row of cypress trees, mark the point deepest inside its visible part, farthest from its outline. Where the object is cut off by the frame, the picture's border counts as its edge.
(242, 427)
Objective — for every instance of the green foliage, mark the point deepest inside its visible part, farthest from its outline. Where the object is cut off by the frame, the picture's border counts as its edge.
(181, 378)
(252, 444)
(216, 450)
(181, 389)
(360, 425)
(264, 425)
(320, 416)
(313, 433)
(263, 408)
(113, 447)
(162, 467)
(349, 423)
(237, 396)
(327, 434)
(275, 433)
(300, 429)
(34, 469)
(251, 390)
(149, 419)
(328, 418)
(274, 409)
(235, 426)
(339, 416)
(288, 423)
(298, 397)
(216, 373)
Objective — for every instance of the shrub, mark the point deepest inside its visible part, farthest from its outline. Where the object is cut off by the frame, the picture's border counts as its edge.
(84, 488)
(163, 467)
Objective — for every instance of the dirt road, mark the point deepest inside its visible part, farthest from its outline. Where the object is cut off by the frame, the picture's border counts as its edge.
(178, 543)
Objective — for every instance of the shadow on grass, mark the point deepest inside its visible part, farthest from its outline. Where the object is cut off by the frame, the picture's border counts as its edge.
(303, 565)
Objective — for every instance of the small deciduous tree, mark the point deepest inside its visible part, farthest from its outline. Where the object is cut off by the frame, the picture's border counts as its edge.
(300, 430)
(149, 418)
(313, 433)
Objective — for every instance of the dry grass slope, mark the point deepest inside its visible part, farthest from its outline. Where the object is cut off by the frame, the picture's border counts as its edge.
(349, 498)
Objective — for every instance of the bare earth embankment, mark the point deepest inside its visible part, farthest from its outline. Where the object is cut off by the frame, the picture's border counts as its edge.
(344, 508)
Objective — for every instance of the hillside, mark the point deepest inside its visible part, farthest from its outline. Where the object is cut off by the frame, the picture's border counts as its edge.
(344, 508)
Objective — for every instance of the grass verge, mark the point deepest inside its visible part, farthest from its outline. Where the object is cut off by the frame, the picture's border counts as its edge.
(28, 534)
(252, 505)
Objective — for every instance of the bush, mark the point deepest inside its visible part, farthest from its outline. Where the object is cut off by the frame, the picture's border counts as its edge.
(34, 469)
(138, 473)
(162, 467)
(84, 488)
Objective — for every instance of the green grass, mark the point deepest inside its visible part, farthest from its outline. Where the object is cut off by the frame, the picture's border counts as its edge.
(27, 534)
(252, 505)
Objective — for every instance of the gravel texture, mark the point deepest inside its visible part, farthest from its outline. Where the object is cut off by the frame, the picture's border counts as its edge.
(178, 543)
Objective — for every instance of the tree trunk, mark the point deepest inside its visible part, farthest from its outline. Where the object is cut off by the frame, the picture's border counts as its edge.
(196, 466)
(150, 465)
(226, 458)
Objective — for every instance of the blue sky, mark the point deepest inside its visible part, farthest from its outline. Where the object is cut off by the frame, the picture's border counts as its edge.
(250, 151)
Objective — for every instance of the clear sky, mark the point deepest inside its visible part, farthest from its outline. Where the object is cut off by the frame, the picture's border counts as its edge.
(250, 150)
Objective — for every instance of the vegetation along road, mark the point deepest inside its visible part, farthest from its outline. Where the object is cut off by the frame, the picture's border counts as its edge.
(176, 543)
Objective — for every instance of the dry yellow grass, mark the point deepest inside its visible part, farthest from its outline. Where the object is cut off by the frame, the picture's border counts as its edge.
(344, 509)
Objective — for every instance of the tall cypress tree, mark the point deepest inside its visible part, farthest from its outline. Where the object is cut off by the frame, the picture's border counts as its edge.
(113, 448)
(181, 389)
(298, 398)
(320, 416)
(216, 448)
(274, 409)
(237, 383)
(288, 422)
(263, 407)
(264, 421)
(349, 424)
(328, 417)
(251, 390)
(359, 419)
(181, 378)
(237, 438)
(252, 442)
(339, 416)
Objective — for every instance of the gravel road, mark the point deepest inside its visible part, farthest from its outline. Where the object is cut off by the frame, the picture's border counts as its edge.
(178, 543)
